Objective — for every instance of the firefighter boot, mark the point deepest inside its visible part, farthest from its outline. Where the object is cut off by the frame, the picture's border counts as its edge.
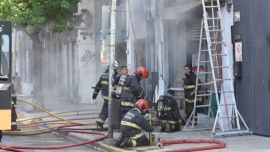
(100, 126)
(15, 128)
(119, 141)
(183, 122)
(180, 126)
(126, 143)
(162, 127)
(167, 127)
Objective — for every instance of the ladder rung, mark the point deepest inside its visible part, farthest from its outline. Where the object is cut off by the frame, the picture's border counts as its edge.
(203, 95)
(202, 116)
(214, 18)
(219, 54)
(216, 42)
(232, 129)
(224, 79)
(207, 83)
(206, 38)
(221, 67)
(211, 26)
(201, 106)
(227, 117)
(217, 30)
(226, 104)
(214, 6)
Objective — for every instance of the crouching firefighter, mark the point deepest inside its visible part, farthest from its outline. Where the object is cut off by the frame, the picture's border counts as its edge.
(103, 85)
(168, 113)
(132, 126)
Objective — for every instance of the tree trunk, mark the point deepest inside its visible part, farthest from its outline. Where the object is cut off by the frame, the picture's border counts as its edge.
(37, 70)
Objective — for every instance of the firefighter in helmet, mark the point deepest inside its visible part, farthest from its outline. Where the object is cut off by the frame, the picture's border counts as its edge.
(168, 113)
(189, 90)
(103, 85)
(132, 90)
(132, 126)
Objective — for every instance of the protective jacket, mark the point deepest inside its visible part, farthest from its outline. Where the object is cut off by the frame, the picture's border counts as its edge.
(168, 109)
(103, 85)
(189, 86)
(133, 124)
(132, 91)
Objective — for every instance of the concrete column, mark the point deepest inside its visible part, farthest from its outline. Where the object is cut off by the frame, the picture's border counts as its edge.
(63, 89)
(86, 55)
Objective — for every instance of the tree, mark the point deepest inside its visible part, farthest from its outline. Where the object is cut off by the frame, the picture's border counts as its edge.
(33, 16)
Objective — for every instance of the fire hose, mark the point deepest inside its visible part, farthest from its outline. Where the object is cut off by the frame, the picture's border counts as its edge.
(218, 144)
(63, 128)
(59, 129)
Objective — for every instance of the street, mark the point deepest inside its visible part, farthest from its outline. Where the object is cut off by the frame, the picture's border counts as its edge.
(48, 139)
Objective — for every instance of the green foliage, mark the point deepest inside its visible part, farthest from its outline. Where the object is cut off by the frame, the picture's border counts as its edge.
(33, 14)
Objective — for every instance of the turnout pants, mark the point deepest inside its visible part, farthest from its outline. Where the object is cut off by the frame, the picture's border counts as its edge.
(188, 110)
(104, 113)
(142, 141)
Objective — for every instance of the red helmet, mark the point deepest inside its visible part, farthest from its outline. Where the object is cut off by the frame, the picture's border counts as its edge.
(142, 72)
(142, 104)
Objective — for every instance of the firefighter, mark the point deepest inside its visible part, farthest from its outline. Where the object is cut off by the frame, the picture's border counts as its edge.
(132, 126)
(102, 85)
(168, 113)
(14, 126)
(189, 91)
(132, 90)
(124, 71)
(14, 117)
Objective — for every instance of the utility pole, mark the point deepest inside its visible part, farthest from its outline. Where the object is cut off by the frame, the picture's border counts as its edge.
(111, 62)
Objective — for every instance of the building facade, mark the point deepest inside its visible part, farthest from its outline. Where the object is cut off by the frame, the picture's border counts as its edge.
(251, 29)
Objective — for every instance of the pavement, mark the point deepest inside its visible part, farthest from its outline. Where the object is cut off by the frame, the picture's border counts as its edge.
(243, 143)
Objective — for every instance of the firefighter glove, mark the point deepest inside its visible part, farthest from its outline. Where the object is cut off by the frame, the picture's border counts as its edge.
(146, 116)
(141, 95)
(94, 96)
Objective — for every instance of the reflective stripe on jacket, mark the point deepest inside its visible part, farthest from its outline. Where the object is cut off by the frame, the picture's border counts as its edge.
(189, 87)
(132, 88)
(133, 124)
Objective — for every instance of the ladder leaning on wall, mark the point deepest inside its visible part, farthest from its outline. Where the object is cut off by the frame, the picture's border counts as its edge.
(219, 79)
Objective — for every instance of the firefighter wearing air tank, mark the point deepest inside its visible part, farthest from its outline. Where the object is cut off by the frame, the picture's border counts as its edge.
(189, 90)
(132, 126)
(103, 85)
(168, 113)
(132, 90)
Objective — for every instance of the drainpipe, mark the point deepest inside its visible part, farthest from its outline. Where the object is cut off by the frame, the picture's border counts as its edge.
(111, 67)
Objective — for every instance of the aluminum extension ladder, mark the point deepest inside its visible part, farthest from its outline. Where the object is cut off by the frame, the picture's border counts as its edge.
(219, 80)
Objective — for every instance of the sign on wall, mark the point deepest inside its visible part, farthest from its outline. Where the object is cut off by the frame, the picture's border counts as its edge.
(238, 51)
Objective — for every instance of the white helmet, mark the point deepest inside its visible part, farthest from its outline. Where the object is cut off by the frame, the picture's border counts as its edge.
(116, 64)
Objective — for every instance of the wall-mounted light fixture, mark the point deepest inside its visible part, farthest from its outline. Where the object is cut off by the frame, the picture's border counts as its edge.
(229, 5)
